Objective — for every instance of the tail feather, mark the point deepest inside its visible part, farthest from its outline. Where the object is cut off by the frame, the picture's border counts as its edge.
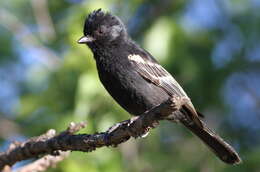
(218, 146)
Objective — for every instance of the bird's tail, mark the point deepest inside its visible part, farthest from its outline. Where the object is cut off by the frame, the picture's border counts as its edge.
(216, 144)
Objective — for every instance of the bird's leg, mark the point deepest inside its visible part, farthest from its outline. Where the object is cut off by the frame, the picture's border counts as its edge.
(168, 110)
(176, 104)
(139, 130)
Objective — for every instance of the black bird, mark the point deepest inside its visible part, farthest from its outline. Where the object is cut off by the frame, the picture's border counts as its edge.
(138, 82)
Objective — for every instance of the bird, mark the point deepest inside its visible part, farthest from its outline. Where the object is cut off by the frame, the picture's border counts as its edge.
(138, 83)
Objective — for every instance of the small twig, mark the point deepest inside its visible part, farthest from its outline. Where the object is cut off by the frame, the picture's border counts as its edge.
(17, 151)
(44, 163)
(66, 141)
(47, 161)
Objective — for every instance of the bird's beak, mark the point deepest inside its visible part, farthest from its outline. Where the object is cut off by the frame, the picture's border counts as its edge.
(85, 39)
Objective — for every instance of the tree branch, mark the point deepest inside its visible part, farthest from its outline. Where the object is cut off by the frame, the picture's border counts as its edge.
(50, 143)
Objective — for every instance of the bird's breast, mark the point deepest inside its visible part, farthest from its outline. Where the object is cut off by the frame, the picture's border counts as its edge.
(128, 88)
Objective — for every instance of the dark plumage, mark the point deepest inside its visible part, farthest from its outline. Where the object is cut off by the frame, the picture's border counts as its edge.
(138, 82)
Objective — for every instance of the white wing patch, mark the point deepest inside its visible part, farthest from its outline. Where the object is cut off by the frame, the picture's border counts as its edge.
(157, 75)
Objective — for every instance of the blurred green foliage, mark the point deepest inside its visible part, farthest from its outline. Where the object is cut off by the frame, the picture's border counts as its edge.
(211, 47)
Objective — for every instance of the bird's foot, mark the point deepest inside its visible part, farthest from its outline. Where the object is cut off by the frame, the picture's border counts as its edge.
(138, 130)
(177, 102)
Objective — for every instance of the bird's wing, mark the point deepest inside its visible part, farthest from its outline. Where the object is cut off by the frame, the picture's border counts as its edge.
(150, 70)
(156, 74)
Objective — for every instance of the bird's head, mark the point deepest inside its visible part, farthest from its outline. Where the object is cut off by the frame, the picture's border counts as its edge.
(102, 29)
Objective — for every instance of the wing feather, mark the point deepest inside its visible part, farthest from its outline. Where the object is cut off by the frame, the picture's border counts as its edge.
(155, 73)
